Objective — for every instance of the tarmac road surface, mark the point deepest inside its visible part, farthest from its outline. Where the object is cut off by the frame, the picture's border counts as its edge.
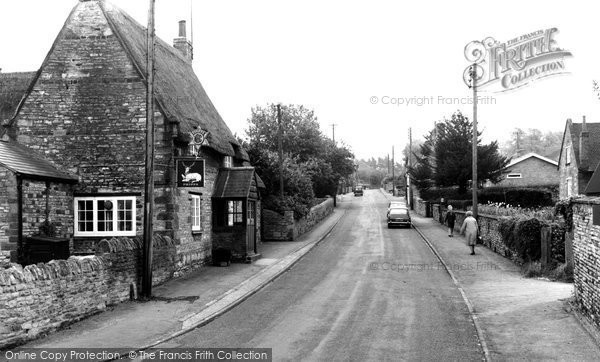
(365, 293)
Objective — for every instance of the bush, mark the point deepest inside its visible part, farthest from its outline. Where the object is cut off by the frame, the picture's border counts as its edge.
(557, 242)
(523, 197)
(460, 204)
(522, 235)
(435, 194)
(529, 235)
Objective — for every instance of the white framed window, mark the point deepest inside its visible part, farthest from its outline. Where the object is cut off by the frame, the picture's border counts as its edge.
(105, 216)
(569, 186)
(567, 155)
(227, 161)
(514, 175)
(196, 213)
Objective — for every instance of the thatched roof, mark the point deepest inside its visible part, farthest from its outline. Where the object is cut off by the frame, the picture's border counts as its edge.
(13, 87)
(177, 89)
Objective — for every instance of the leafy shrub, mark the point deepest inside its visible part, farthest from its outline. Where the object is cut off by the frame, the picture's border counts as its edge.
(564, 208)
(523, 197)
(502, 209)
(460, 204)
(435, 194)
(529, 235)
(557, 242)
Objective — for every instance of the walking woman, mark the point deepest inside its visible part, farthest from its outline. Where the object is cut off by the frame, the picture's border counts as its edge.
(469, 227)
(449, 220)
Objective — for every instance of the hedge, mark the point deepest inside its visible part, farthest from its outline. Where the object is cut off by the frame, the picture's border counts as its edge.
(523, 197)
(523, 236)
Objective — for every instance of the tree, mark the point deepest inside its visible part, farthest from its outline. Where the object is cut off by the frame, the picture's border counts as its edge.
(421, 170)
(316, 162)
(447, 159)
(532, 140)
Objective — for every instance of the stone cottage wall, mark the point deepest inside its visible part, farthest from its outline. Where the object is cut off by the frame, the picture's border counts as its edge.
(285, 228)
(586, 258)
(41, 298)
(86, 113)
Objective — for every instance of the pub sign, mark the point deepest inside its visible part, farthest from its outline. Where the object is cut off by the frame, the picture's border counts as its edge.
(190, 172)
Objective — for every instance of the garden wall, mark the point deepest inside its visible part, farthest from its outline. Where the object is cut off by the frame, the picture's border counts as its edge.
(586, 258)
(278, 227)
(41, 298)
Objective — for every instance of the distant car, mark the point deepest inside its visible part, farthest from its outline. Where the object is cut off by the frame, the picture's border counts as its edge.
(399, 216)
(358, 191)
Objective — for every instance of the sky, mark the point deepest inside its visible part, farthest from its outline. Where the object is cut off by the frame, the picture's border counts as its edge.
(349, 60)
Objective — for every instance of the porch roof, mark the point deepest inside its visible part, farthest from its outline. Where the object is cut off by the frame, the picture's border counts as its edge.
(237, 182)
(21, 160)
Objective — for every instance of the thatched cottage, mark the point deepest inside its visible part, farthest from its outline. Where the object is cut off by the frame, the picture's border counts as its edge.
(72, 150)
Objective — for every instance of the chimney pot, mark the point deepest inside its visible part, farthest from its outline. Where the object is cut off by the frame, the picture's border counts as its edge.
(182, 28)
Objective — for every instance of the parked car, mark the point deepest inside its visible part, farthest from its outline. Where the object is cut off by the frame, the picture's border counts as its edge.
(399, 216)
(396, 204)
(358, 191)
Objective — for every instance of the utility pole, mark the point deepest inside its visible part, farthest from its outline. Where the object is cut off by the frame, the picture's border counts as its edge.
(408, 187)
(149, 169)
(333, 131)
(388, 162)
(393, 173)
(280, 146)
(474, 178)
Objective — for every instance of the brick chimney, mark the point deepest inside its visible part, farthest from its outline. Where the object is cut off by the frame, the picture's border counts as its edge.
(584, 145)
(182, 44)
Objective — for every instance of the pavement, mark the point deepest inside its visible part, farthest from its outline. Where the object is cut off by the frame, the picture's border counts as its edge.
(183, 304)
(519, 318)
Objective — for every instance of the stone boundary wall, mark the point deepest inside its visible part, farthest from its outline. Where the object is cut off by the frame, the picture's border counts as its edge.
(421, 207)
(586, 259)
(278, 227)
(43, 297)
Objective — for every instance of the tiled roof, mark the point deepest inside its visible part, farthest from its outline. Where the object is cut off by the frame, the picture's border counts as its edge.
(22, 160)
(529, 155)
(237, 182)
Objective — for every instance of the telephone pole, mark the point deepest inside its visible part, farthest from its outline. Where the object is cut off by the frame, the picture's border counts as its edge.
(149, 169)
(393, 173)
(280, 146)
(408, 187)
(333, 131)
(474, 178)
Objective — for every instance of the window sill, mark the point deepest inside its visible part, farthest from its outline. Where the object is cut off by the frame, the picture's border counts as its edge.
(197, 232)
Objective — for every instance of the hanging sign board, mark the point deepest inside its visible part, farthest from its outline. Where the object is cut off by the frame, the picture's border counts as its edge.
(190, 172)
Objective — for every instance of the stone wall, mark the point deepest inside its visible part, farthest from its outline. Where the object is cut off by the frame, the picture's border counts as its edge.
(277, 226)
(41, 298)
(4, 259)
(421, 207)
(586, 258)
(284, 227)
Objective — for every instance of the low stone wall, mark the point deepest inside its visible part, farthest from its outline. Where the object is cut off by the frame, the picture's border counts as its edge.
(488, 229)
(586, 258)
(278, 227)
(421, 207)
(41, 298)
(4, 259)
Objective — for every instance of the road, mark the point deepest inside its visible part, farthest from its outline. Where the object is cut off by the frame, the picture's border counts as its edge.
(352, 298)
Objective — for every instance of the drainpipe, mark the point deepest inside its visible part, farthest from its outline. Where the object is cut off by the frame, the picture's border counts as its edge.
(20, 256)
